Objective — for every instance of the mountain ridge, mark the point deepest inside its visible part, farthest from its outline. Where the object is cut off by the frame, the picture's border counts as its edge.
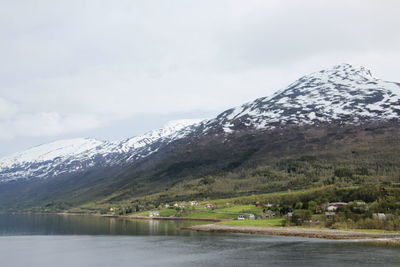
(326, 96)
(305, 116)
(41, 157)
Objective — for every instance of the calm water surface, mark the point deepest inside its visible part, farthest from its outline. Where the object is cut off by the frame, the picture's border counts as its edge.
(55, 240)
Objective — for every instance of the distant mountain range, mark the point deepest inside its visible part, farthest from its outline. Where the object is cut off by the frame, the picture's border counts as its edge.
(77, 155)
(342, 96)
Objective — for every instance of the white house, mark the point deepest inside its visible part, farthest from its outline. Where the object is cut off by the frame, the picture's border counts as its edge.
(380, 216)
(154, 214)
(194, 203)
(335, 205)
(331, 208)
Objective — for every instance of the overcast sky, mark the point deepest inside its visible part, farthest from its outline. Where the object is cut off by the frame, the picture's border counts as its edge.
(114, 69)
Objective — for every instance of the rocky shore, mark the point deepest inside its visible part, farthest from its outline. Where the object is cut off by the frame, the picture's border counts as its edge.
(298, 231)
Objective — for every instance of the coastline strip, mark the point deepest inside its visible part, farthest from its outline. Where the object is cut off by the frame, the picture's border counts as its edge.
(139, 217)
(294, 231)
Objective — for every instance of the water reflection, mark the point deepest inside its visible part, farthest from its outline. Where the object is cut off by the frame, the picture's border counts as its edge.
(63, 241)
(51, 224)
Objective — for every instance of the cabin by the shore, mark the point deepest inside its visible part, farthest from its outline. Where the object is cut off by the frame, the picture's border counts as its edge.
(154, 214)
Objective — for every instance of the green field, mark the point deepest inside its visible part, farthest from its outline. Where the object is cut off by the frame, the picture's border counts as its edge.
(307, 207)
(242, 209)
(210, 215)
(163, 213)
(199, 212)
(257, 223)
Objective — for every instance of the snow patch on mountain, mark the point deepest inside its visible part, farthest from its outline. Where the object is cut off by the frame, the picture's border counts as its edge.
(51, 151)
(344, 94)
(172, 129)
(72, 155)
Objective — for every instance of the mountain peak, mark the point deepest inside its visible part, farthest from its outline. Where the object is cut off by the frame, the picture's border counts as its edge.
(342, 94)
(181, 123)
(349, 68)
(344, 71)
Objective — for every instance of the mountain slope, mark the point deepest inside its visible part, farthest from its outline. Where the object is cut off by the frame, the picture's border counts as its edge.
(339, 117)
(333, 120)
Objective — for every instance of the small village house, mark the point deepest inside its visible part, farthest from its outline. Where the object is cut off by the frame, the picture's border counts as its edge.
(240, 217)
(380, 216)
(334, 206)
(269, 214)
(154, 214)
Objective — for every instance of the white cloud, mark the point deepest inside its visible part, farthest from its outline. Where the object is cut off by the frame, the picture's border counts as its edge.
(50, 124)
(7, 109)
(46, 124)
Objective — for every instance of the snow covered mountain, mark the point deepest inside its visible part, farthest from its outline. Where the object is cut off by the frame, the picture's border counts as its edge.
(342, 94)
(73, 155)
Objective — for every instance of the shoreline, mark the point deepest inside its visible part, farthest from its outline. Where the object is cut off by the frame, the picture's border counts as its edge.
(393, 239)
(138, 217)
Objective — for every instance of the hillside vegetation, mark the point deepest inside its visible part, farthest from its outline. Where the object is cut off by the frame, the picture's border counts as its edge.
(297, 158)
(343, 157)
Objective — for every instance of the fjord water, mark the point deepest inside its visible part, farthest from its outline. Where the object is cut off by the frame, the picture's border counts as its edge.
(56, 240)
